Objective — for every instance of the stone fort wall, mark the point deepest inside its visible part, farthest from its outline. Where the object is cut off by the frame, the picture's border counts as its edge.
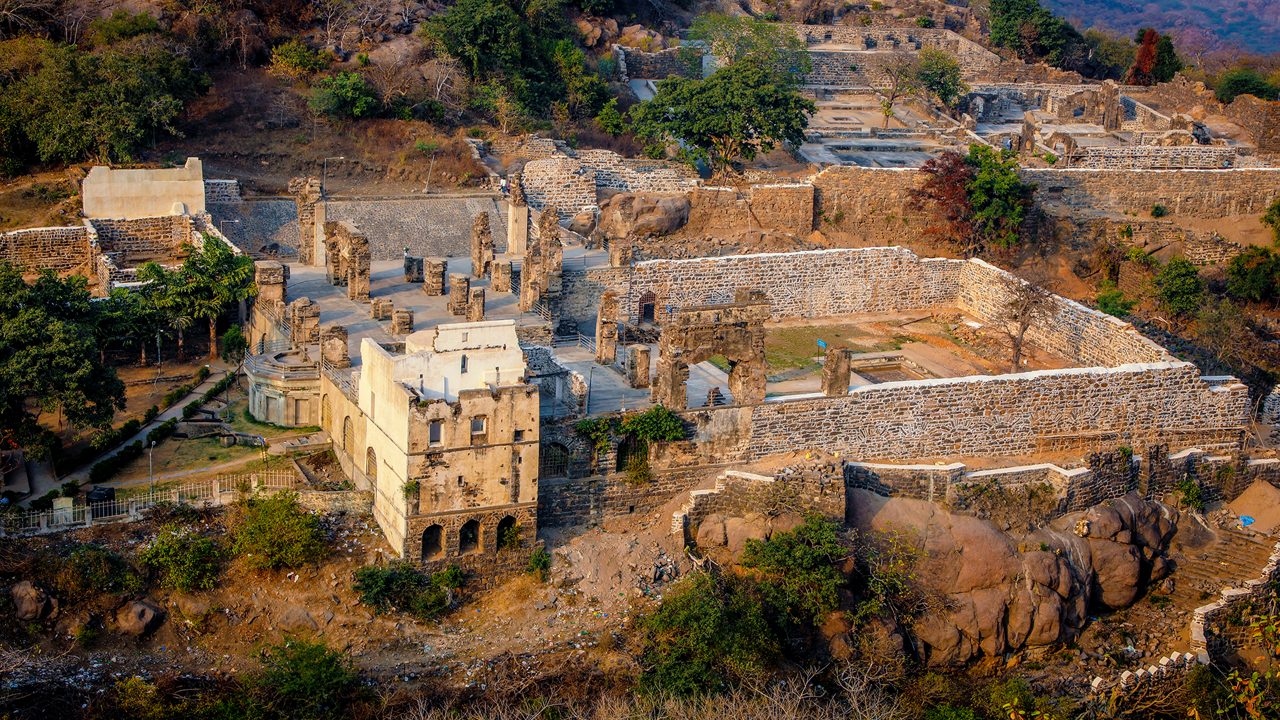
(1202, 193)
(58, 248)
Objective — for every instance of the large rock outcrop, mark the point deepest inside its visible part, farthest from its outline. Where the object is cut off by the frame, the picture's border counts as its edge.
(996, 595)
(628, 215)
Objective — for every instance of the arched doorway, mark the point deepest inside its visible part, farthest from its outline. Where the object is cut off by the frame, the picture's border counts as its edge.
(371, 464)
(469, 538)
(325, 413)
(433, 543)
(647, 308)
(508, 534)
(348, 442)
(553, 460)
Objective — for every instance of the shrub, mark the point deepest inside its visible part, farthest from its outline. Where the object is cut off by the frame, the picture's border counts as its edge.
(796, 570)
(151, 414)
(184, 560)
(121, 25)
(539, 564)
(401, 586)
(924, 21)
(1244, 81)
(1190, 494)
(163, 431)
(949, 712)
(91, 570)
(656, 424)
(886, 563)
(509, 539)
(345, 95)
(106, 468)
(70, 489)
(306, 679)
(1252, 274)
(1113, 302)
(45, 501)
(1159, 211)
(1271, 218)
(637, 470)
(610, 119)
(707, 634)
(275, 532)
(294, 59)
(1179, 287)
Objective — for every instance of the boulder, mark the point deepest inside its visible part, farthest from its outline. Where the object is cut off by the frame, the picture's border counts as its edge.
(139, 617)
(711, 532)
(785, 522)
(295, 617)
(1117, 571)
(738, 531)
(626, 215)
(31, 603)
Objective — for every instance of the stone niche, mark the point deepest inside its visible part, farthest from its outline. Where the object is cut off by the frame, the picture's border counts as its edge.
(694, 334)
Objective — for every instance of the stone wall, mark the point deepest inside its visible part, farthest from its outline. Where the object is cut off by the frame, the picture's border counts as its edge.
(1260, 117)
(222, 191)
(57, 248)
(1222, 625)
(109, 192)
(570, 184)
(870, 204)
(566, 502)
(1202, 193)
(974, 59)
(638, 64)
(738, 493)
(1145, 157)
(1026, 413)
(148, 238)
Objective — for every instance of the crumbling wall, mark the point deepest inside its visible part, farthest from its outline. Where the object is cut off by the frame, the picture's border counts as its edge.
(1201, 193)
(57, 248)
(639, 64)
(736, 493)
(144, 238)
(870, 204)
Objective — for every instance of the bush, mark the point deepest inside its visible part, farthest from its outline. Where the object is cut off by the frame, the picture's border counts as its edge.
(70, 489)
(656, 424)
(346, 95)
(106, 468)
(509, 539)
(924, 21)
(1244, 81)
(45, 501)
(610, 119)
(91, 570)
(294, 59)
(1179, 287)
(1113, 302)
(1159, 211)
(401, 586)
(184, 560)
(121, 25)
(707, 634)
(1271, 218)
(275, 532)
(539, 564)
(796, 571)
(163, 431)
(305, 679)
(1190, 494)
(152, 413)
(1252, 274)
(886, 564)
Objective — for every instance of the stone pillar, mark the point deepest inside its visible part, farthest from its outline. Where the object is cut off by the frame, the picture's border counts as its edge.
(835, 372)
(638, 365)
(500, 278)
(304, 322)
(607, 329)
(412, 268)
(459, 289)
(433, 278)
(481, 246)
(401, 322)
(381, 309)
(531, 277)
(475, 305)
(671, 382)
(269, 276)
(517, 218)
(551, 249)
(306, 198)
(358, 269)
(619, 253)
(333, 346)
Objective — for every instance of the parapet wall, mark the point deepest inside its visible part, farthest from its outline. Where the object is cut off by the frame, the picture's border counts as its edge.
(139, 193)
(1201, 193)
(57, 248)
(570, 183)
(1071, 410)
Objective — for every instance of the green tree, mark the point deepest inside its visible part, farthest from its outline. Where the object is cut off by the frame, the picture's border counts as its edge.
(1111, 56)
(999, 197)
(49, 360)
(487, 36)
(746, 39)
(610, 120)
(1244, 81)
(62, 104)
(1252, 274)
(1271, 218)
(234, 345)
(210, 280)
(345, 95)
(1112, 301)
(707, 634)
(1168, 63)
(740, 110)
(294, 59)
(1179, 287)
(938, 74)
(797, 571)
(585, 92)
(1034, 33)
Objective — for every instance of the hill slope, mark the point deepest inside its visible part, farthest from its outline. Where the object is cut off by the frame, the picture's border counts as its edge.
(1252, 25)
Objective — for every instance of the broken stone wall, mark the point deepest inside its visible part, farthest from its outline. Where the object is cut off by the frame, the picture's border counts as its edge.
(869, 204)
(150, 238)
(57, 248)
(1200, 193)
(638, 64)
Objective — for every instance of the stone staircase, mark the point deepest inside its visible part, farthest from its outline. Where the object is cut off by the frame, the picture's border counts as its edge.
(1200, 573)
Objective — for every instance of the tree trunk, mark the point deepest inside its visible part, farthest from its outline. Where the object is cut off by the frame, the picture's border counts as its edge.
(181, 354)
(213, 338)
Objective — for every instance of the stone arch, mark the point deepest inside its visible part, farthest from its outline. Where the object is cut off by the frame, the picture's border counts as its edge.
(371, 464)
(553, 460)
(507, 539)
(433, 542)
(469, 538)
(348, 436)
(647, 307)
(325, 412)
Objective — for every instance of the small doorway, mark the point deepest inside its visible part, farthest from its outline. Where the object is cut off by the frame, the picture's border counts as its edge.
(648, 307)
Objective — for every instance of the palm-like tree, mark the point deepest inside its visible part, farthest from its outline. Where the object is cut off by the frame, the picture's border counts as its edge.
(215, 278)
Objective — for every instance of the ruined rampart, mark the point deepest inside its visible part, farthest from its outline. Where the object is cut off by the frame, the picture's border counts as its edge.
(57, 248)
(1201, 193)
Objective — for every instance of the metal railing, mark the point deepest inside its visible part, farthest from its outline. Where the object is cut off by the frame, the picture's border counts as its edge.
(541, 310)
(221, 490)
(343, 380)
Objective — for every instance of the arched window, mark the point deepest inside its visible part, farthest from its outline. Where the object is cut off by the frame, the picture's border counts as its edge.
(553, 460)
(433, 543)
(508, 534)
(371, 464)
(469, 538)
(325, 412)
(348, 442)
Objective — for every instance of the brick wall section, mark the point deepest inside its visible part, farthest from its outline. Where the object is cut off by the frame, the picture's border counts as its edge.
(570, 183)
(1202, 193)
(1208, 157)
(222, 191)
(147, 237)
(1212, 631)
(1042, 411)
(57, 248)
(592, 500)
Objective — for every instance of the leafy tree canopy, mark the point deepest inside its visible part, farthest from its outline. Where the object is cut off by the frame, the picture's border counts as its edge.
(1179, 287)
(210, 280)
(346, 95)
(49, 360)
(741, 38)
(741, 110)
(1253, 274)
(1244, 81)
(938, 74)
(1035, 33)
(797, 570)
(978, 199)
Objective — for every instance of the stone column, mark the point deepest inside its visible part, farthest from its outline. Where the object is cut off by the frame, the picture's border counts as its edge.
(433, 279)
(638, 365)
(381, 309)
(481, 246)
(475, 305)
(304, 322)
(607, 330)
(269, 276)
(306, 198)
(401, 322)
(517, 218)
(835, 372)
(500, 278)
(333, 346)
(459, 289)
(412, 268)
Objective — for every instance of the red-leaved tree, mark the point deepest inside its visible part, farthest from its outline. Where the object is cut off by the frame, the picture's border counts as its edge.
(945, 195)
